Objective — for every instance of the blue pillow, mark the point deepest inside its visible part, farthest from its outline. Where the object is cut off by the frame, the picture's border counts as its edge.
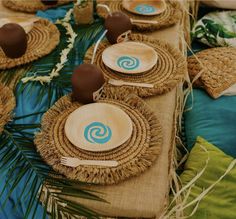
(214, 120)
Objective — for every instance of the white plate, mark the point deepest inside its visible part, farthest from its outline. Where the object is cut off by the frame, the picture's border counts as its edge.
(98, 127)
(130, 57)
(145, 7)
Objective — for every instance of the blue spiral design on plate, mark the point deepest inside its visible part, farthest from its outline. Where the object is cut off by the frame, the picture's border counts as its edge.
(97, 133)
(128, 62)
(145, 9)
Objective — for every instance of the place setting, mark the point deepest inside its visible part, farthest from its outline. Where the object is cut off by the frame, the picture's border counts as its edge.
(144, 15)
(7, 105)
(141, 64)
(33, 6)
(25, 39)
(100, 142)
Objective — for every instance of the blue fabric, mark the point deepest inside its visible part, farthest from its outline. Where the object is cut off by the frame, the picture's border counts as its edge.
(54, 14)
(26, 104)
(214, 120)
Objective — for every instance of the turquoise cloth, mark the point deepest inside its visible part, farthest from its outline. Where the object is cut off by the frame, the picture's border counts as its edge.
(214, 120)
(26, 105)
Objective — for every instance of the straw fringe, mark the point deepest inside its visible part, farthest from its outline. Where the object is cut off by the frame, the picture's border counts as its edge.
(176, 156)
(42, 39)
(30, 6)
(168, 72)
(7, 104)
(132, 160)
(179, 203)
(15, 78)
(169, 17)
(213, 69)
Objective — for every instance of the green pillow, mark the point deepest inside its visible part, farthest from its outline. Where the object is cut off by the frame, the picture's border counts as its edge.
(216, 29)
(220, 202)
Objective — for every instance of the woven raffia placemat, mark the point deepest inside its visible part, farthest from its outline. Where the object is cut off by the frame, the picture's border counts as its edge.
(42, 39)
(134, 156)
(30, 6)
(170, 16)
(7, 104)
(165, 75)
(216, 68)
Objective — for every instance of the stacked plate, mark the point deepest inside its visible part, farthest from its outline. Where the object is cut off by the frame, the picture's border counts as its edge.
(145, 8)
(130, 57)
(98, 127)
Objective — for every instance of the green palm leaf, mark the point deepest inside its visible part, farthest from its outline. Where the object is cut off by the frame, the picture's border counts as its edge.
(20, 160)
(61, 85)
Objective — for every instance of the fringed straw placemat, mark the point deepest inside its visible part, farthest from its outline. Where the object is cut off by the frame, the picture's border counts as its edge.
(30, 6)
(7, 104)
(134, 156)
(215, 68)
(42, 39)
(165, 75)
(170, 16)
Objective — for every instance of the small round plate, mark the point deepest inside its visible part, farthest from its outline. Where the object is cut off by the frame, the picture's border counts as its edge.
(130, 57)
(98, 127)
(142, 7)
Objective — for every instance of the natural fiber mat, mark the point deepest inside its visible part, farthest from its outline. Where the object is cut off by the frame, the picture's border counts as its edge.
(134, 156)
(170, 16)
(42, 39)
(7, 104)
(216, 68)
(165, 75)
(30, 6)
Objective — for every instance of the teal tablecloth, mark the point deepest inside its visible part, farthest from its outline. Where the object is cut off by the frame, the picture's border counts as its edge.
(15, 207)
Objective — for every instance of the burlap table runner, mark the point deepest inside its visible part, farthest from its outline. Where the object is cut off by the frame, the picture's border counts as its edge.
(134, 156)
(216, 69)
(165, 75)
(170, 16)
(30, 6)
(7, 104)
(147, 195)
(42, 39)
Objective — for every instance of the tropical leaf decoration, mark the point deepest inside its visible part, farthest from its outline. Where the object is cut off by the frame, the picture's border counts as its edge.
(61, 85)
(20, 162)
(216, 29)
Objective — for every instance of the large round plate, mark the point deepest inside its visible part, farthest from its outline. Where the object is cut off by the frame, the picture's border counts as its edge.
(98, 127)
(130, 57)
(146, 8)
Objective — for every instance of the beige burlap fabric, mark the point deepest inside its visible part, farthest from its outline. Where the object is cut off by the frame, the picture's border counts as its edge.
(165, 75)
(216, 69)
(147, 194)
(134, 156)
(7, 104)
(42, 39)
(30, 6)
(170, 16)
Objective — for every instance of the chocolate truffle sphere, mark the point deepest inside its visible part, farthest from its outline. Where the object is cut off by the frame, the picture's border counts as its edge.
(13, 40)
(49, 2)
(116, 24)
(87, 79)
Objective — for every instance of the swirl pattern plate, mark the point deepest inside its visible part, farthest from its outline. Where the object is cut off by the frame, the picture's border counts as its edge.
(145, 8)
(98, 127)
(130, 57)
